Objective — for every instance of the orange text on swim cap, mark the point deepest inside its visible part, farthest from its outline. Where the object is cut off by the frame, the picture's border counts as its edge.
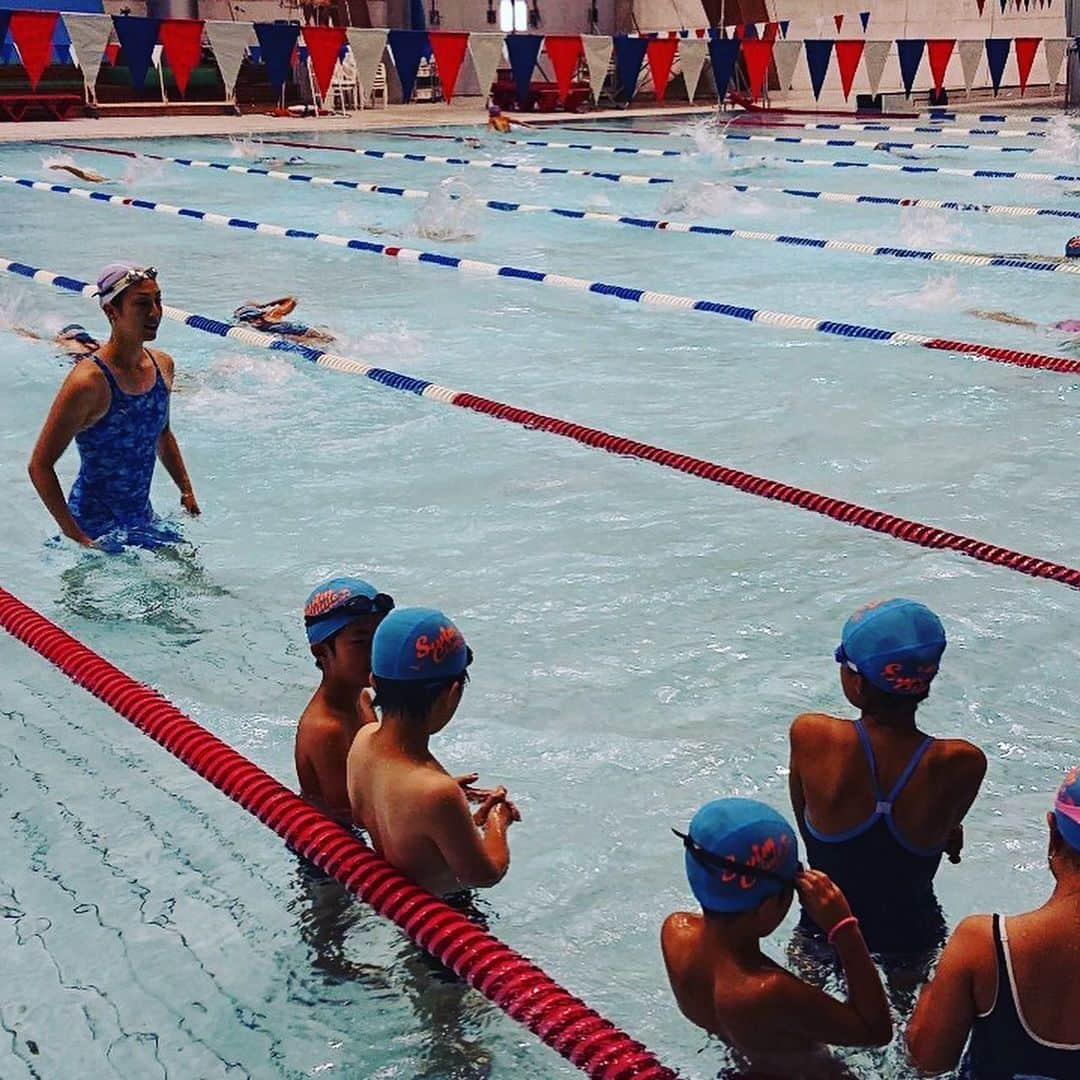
(324, 601)
(768, 854)
(447, 641)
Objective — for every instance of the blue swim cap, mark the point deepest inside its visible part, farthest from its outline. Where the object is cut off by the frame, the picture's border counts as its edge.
(337, 602)
(418, 645)
(743, 832)
(895, 644)
(1072, 248)
(1067, 809)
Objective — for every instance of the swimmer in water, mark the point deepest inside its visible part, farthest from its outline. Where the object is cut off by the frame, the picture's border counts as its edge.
(742, 863)
(1007, 987)
(416, 813)
(74, 339)
(340, 618)
(878, 802)
(1066, 326)
(270, 319)
(500, 122)
(88, 175)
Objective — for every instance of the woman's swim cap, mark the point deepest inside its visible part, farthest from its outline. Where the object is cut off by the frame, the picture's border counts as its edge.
(727, 841)
(895, 644)
(1067, 809)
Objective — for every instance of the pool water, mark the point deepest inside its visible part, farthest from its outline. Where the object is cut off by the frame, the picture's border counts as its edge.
(643, 638)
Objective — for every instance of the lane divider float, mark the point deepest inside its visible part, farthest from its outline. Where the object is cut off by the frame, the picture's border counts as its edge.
(878, 521)
(626, 293)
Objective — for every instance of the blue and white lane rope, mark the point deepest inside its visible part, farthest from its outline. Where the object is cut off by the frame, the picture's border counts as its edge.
(992, 118)
(878, 521)
(1041, 263)
(913, 129)
(977, 174)
(624, 293)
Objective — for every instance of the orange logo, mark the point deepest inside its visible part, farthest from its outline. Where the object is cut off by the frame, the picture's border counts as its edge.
(324, 601)
(768, 854)
(447, 641)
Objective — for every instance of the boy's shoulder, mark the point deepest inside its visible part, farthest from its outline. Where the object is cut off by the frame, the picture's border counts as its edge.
(764, 1000)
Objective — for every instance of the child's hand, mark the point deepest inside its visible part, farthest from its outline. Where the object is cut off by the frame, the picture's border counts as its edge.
(496, 801)
(822, 898)
(366, 707)
(954, 843)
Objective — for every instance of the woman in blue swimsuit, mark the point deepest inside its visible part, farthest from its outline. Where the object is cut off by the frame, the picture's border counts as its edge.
(115, 406)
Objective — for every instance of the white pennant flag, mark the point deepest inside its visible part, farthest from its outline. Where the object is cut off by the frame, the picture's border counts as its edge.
(971, 54)
(367, 47)
(598, 56)
(89, 35)
(692, 53)
(486, 51)
(875, 53)
(786, 55)
(229, 40)
(1055, 57)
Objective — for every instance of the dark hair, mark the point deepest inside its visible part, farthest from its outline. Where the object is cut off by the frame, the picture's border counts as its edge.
(880, 700)
(412, 699)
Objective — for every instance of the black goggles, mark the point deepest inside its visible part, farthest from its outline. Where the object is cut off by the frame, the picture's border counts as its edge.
(379, 604)
(730, 865)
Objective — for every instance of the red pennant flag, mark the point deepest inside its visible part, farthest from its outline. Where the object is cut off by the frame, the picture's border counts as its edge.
(848, 55)
(661, 55)
(981, 4)
(565, 52)
(324, 45)
(181, 41)
(740, 30)
(1025, 57)
(112, 51)
(839, 20)
(940, 51)
(449, 50)
(772, 31)
(756, 54)
(32, 33)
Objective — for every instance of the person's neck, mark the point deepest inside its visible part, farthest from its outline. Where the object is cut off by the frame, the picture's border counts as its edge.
(123, 351)
(898, 720)
(1066, 892)
(732, 938)
(340, 699)
(405, 736)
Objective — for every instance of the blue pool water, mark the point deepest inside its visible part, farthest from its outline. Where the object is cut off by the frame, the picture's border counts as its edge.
(643, 638)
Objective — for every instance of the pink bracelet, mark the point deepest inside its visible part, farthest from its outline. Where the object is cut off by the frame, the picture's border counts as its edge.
(849, 921)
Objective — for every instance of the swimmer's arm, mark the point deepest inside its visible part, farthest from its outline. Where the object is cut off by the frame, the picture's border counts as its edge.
(477, 859)
(320, 767)
(970, 769)
(795, 784)
(168, 449)
(946, 1009)
(79, 403)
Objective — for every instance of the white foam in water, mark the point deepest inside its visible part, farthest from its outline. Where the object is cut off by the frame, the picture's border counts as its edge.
(245, 147)
(705, 200)
(1061, 143)
(449, 213)
(921, 227)
(940, 293)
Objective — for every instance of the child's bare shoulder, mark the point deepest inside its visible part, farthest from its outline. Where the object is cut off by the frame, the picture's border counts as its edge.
(749, 1006)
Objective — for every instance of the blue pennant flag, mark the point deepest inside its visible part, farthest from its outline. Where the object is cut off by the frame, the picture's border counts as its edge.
(749, 30)
(408, 48)
(723, 52)
(818, 55)
(137, 37)
(276, 43)
(997, 53)
(629, 56)
(523, 50)
(864, 18)
(911, 54)
(784, 24)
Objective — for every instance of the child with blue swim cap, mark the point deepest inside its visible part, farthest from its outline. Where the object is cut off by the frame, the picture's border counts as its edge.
(878, 801)
(742, 863)
(1007, 987)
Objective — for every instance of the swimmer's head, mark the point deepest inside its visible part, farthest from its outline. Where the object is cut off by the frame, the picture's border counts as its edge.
(334, 604)
(78, 333)
(1072, 248)
(895, 645)
(1066, 816)
(118, 276)
(494, 110)
(740, 853)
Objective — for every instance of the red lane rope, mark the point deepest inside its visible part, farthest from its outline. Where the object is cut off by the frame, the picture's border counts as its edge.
(517, 986)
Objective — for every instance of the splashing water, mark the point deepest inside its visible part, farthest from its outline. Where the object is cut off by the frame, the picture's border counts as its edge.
(244, 147)
(1062, 143)
(926, 228)
(705, 200)
(937, 294)
(449, 213)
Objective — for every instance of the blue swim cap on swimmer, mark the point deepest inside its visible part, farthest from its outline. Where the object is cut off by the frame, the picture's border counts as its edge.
(1072, 248)
(895, 644)
(418, 645)
(337, 602)
(1067, 809)
(726, 832)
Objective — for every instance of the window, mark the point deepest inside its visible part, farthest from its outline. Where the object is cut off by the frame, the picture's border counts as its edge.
(513, 15)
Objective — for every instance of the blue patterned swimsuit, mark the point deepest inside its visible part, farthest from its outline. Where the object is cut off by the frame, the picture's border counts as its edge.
(111, 494)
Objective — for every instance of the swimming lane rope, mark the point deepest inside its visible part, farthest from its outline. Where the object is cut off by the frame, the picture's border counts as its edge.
(624, 293)
(911, 532)
(1041, 263)
(502, 975)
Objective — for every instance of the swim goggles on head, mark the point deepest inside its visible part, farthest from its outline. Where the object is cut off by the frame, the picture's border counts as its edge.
(125, 281)
(379, 604)
(841, 657)
(729, 864)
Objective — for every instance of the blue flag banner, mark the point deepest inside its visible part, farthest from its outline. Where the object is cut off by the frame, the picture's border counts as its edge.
(523, 50)
(276, 43)
(910, 52)
(629, 56)
(61, 43)
(997, 54)
(818, 55)
(784, 24)
(723, 52)
(408, 47)
(864, 18)
(137, 37)
(750, 30)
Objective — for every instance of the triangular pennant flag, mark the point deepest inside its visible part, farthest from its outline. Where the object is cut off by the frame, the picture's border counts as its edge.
(692, 60)
(565, 52)
(839, 20)
(756, 56)
(486, 51)
(368, 47)
(786, 58)
(1003, 5)
(864, 18)
(980, 4)
(276, 44)
(723, 52)
(911, 54)
(997, 53)
(749, 30)
(661, 55)
(874, 56)
(940, 51)
(181, 40)
(448, 48)
(772, 31)
(61, 42)
(598, 48)
(818, 55)
(89, 35)
(137, 38)
(1026, 47)
(5, 18)
(523, 50)
(324, 44)
(848, 55)
(1055, 57)
(971, 52)
(229, 41)
(408, 48)
(784, 24)
(32, 34)
(629, 56)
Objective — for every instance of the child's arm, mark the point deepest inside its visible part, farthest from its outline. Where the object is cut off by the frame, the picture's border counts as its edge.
(477, 859)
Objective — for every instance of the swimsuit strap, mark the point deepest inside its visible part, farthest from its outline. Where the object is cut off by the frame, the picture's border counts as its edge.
(909, 769)
(110, 378)
(868, 749)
